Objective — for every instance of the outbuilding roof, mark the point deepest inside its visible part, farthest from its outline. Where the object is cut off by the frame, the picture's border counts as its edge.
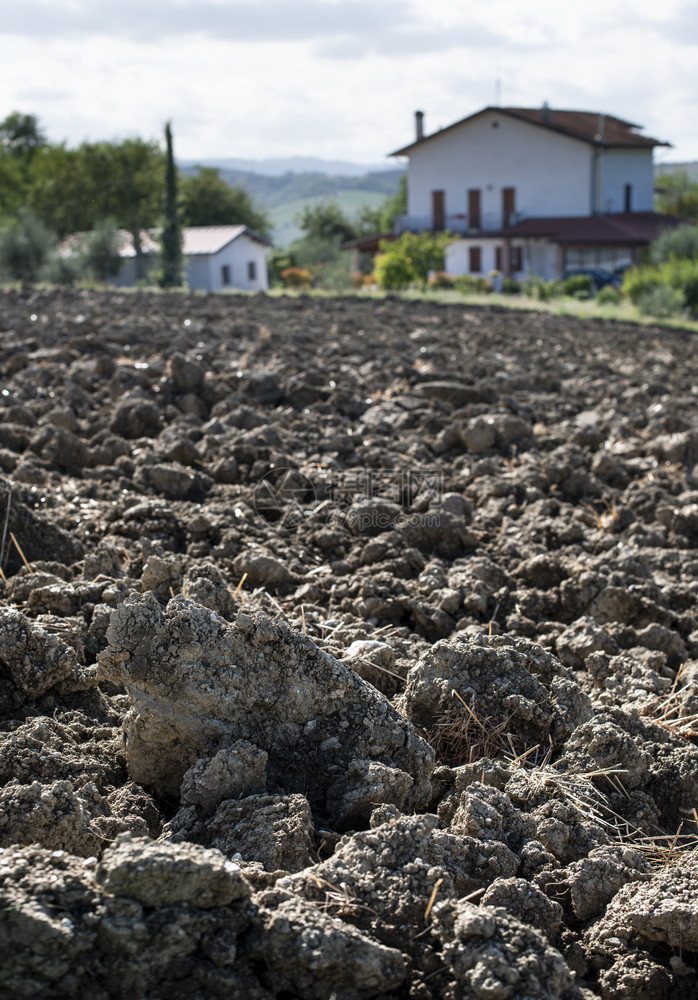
(196, 240)
(589, 126)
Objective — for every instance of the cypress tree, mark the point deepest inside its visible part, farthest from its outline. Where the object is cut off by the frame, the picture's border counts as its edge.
(171, 239)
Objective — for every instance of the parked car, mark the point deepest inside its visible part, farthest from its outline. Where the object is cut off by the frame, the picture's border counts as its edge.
(599, 277)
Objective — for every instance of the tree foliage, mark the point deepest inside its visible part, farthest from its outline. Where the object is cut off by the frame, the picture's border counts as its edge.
(326, 221)
(171, 238)
(25, 246)
(206, 200)
(681, 242)
(393, 206)
(410, 259)
(100, 258)
(20, 135)
(678, 195)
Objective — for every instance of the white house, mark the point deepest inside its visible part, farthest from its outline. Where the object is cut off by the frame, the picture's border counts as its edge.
(216, 258)
(533, 191)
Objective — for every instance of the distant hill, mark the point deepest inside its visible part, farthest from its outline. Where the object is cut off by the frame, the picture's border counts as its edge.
(294, 165)
(285, 195)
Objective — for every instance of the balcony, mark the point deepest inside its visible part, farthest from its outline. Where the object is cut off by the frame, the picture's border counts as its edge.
(489, 222)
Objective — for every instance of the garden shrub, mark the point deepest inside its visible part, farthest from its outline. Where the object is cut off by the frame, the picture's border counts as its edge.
(638, 281)
(661, 301)
(410, 259)
(296, 277)
(510, 286)
(577, 283)
(25, 246)
(681, 242)
(60, 269)
(441, 280)
(609, 296)
(469, 284)
(100, 251)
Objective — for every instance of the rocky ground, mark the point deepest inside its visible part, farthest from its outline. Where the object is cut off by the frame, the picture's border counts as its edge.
(348, 649)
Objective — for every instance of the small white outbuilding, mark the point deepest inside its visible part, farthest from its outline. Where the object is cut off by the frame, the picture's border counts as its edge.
(216, 258)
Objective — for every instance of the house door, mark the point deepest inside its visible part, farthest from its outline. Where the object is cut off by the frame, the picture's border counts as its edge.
(438, 210)
(508, 205)
(474, 208)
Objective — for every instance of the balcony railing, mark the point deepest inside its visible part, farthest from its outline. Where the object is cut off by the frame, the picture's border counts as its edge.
(488, 222)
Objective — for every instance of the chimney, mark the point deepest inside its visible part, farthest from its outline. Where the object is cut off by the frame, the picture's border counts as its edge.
(545, 113)
(419, 122)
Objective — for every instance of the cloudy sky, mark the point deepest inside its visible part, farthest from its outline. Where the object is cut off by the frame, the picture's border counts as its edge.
(340, 79)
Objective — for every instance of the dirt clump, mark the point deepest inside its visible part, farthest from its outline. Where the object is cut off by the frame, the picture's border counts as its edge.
(348, 648)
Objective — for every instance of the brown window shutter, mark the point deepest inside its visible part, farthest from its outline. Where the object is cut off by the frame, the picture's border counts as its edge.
(474, 208)
(438, 208)
(508, 205)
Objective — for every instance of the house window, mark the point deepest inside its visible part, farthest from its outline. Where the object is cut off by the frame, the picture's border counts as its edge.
(508, 205)
(474, 208)
(226, 276)
(438, 209)
(474, 260)
(498, 258)
(251, 270)
(628, 198)
(515, 259)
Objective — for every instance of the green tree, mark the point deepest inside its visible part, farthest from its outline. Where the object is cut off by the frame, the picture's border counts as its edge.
(20, 135)
(127, 180)
(171, 239)
(677, 195)
(206, 200)
(73, 190)
(681, 242)
(25, 246)
(393, 206)
(411, 258)
(13, 185)
(326, 221)
(61, 190)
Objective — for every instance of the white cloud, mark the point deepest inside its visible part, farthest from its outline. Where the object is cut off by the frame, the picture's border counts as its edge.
(338, 78)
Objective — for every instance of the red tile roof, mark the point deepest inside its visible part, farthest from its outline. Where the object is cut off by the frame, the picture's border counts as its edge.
(626, 228)
(588, 126)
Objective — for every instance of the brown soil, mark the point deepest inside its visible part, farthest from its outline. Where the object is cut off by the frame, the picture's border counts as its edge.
(348, 648)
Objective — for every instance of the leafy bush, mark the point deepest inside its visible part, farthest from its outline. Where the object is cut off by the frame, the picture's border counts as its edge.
(467, 284)
(609, 296)
(61, 269)
(638, 281)
(393, 271)
(681, 242)
(410, 259)
(538, 288)
(510, 286)
(441, 280)
(680, 275)
(296, 277)
(661, 301)
(100, 251)
(359, 280)
(577, 283)
(25, 246)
